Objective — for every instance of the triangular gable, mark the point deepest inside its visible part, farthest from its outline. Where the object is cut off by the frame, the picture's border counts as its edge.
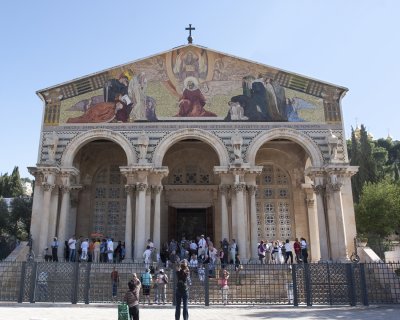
(192, 83)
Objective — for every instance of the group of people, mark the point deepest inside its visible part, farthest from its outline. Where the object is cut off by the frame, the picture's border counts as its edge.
(280, 252)
(94, 250)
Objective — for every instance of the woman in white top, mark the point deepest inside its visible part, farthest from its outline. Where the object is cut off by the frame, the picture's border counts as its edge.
(289, 251)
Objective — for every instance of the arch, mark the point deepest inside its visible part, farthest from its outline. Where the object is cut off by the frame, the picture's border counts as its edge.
(286, 133)
(189, 133)
(80, 140)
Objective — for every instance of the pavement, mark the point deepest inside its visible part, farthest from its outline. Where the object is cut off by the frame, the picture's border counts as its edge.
(38, 311)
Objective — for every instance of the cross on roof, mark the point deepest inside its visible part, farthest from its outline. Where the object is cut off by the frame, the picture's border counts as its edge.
(190, 39)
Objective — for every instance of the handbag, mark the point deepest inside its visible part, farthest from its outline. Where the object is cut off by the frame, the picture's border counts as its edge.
(123, 312)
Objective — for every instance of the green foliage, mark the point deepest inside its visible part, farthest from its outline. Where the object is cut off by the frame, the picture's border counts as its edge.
(4, 217)
(378, 211)
(11, 186)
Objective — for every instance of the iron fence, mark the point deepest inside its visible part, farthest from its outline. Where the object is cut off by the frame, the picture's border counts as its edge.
(298, 284)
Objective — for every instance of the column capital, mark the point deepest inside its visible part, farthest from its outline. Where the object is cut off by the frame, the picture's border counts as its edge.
(224, 188)
(252, 189)
(333, 187)
(65, 189)
(238, 187)
(319, 189)
(129, 188)
(157, 189)
(141, 186)
(48, 186)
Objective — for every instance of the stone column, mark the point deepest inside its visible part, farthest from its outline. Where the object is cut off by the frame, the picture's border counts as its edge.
(36, 208)
(74, 195)
(148, 214)
(129, 189)
(65, 208)
(337, 228)
(140, 236)
(241, 219)
(53, 214)
(234, 214)
(62, 226)
(253, 222)
(314, 242)
(319, 190)
(44, 230)
(223, 190)
(157, 221)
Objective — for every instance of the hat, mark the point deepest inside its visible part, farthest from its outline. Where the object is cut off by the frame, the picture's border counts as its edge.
(55, 238)
(162, 270)
(202, 235)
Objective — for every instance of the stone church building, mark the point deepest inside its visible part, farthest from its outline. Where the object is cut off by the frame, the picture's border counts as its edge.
(194, 141)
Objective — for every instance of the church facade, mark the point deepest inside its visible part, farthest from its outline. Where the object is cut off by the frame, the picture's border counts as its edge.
(194, 141)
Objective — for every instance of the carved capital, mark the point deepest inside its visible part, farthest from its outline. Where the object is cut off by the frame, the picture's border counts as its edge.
(319, 189)
(157, 189)
(141, 187)
(129, 188)
(333, 187)
(239, 187)
(48, 187)
(252, 190)
(224, 189)
(65, 189)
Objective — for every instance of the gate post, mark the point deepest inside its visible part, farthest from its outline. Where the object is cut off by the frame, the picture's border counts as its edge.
(206, 287)
(307, 282)
(21, 284)
(294, 279)
(363, 285)
(351, 286)
(75, 286)
(33, 282)
(87, 283)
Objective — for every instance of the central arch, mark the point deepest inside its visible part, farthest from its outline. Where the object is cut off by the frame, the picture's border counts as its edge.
(197, 134)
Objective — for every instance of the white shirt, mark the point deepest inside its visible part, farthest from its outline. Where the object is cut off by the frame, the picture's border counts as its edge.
(288, 247)
(202, 243)
(85, 245)
(72, 244)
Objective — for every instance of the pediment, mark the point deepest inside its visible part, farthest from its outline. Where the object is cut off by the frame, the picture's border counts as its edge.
(192, 83)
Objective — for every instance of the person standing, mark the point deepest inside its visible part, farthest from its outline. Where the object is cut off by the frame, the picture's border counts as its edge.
(114, 282)
(233, 250)
(261, 251)
(288, 252)
(147, 257)
(72, 248)
(238, 269)
(85, 249)
(304, 250)
(162, 281)
(224, 286)
(96, 251)
(54, 248)
(110, 250)
(182, 289)
(132, 297)
(146, 283)
(297, 250)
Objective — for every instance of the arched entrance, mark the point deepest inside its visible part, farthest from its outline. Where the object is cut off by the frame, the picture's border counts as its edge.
(281, 208)
(102, 200)
(190, 190)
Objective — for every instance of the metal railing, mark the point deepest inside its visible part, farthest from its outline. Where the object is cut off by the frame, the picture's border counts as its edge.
(298, 284)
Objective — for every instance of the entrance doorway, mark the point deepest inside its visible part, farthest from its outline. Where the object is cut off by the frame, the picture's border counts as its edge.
(190, 222)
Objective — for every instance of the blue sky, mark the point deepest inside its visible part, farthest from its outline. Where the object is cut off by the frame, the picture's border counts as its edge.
(351, 43)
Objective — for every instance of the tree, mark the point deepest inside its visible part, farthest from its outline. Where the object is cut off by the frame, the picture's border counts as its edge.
(378, 211)
(11, 186)
(4, 215)
(354, 154)
(20, 219)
